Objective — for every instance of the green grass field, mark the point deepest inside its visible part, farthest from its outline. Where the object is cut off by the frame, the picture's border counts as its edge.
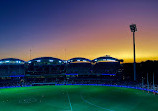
(76, 98)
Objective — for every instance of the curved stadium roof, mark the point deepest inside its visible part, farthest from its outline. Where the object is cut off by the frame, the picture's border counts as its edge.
(107, 59)
(79, 59)
(11, 61)
(46, 60)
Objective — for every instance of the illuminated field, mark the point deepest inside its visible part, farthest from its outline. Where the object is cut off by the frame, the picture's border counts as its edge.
(76, 98)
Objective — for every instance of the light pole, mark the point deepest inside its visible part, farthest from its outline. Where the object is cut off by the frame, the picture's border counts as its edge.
(133, 29)
(153, 82)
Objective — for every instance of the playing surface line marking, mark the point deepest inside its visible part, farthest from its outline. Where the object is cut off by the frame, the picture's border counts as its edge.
(94, 104)
(69, 100)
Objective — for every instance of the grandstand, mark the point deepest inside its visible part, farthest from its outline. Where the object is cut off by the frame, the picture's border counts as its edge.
(12, 70)
(79, 65)
(12, 67)
(106, 65)
(44, 66)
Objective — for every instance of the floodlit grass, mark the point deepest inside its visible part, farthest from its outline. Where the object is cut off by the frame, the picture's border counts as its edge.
(76, 98)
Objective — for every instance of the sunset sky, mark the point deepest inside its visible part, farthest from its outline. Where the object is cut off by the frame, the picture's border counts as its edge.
(78, 28)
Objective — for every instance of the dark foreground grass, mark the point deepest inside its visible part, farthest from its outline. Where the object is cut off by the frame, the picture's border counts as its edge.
(76, 98)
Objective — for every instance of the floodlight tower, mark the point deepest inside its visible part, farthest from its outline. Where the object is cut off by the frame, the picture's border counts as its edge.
(134, 29)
